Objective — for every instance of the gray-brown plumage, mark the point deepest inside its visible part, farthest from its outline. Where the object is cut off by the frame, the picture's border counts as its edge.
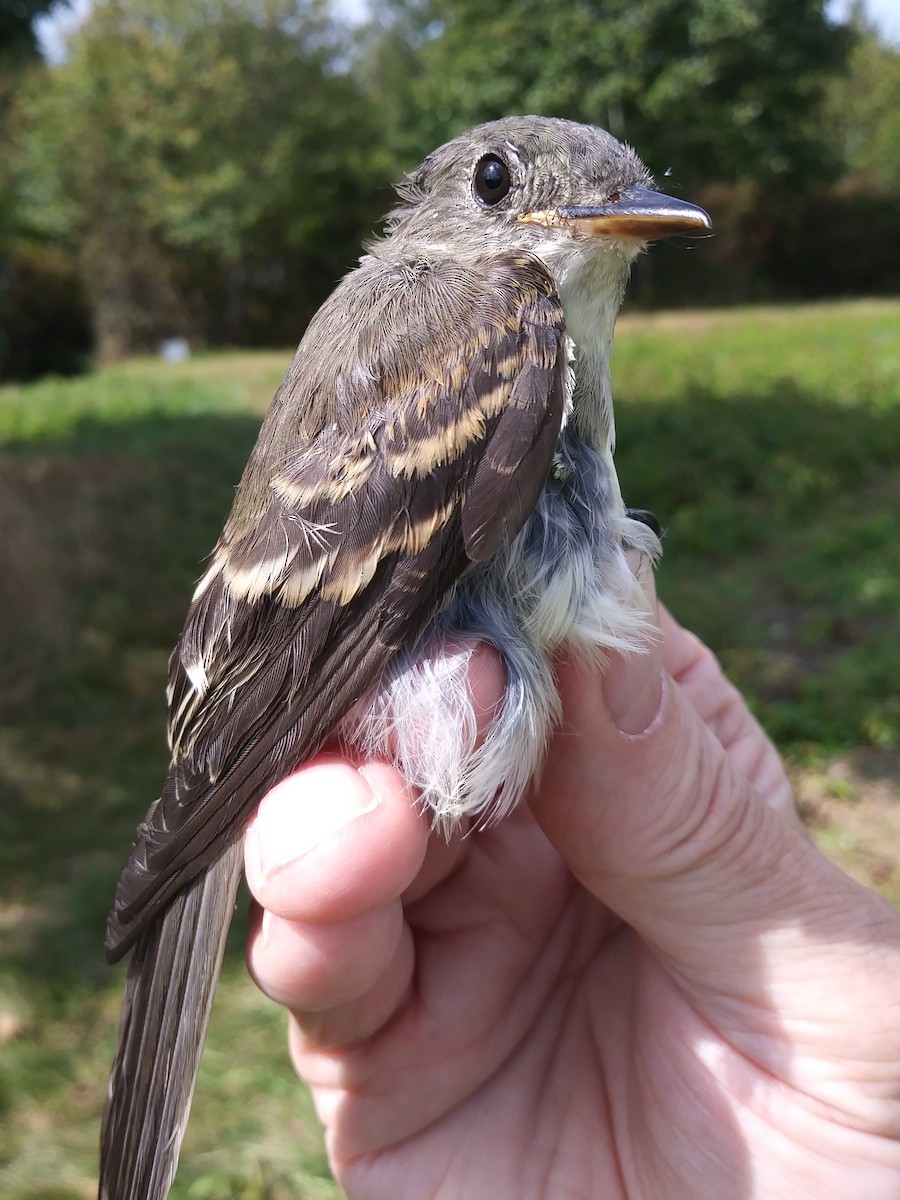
(437, 460)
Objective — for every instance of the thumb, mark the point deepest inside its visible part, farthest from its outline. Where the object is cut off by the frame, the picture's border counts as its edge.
(655, 818)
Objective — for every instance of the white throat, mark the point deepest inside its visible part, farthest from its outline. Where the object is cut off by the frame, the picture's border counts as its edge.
(591, 279)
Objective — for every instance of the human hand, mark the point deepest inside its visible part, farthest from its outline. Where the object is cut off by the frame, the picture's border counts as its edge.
(648, 983)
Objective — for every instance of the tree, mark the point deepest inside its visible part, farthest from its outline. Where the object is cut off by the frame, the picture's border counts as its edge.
(210, 161)
(716, 89)
(862, 112)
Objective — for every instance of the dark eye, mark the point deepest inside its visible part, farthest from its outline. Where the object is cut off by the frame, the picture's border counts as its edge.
(491, 182)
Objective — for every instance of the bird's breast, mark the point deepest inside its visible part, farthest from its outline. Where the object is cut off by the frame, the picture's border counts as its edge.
(566, 577)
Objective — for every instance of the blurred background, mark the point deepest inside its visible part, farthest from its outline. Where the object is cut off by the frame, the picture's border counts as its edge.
(181, 184)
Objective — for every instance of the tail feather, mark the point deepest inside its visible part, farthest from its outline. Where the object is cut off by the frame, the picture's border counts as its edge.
(168, 999)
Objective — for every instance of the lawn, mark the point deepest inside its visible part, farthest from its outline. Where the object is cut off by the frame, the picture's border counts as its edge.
(767, 442)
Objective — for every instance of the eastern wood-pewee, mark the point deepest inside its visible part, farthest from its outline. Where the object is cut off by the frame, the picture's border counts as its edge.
(436, 463)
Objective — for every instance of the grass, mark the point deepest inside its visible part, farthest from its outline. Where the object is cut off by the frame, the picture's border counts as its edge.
(766, 441)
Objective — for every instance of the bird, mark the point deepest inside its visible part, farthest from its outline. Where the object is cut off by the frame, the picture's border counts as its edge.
(437, 464)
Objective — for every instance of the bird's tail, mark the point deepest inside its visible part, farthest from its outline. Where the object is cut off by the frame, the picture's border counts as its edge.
(168, 997)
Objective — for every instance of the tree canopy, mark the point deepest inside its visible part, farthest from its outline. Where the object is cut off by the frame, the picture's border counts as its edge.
(714, 89)
(862, 110)
(211, 168)
(192, 150)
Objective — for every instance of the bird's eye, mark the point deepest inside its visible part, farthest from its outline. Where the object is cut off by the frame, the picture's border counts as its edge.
(614, 197)
(492, 181)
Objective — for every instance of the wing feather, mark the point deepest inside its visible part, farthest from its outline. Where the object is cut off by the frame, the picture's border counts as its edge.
(413, 433)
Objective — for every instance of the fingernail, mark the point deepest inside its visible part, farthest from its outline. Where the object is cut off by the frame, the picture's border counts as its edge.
(633, 689)
(633, 682)
(306, 810)
(265, 927)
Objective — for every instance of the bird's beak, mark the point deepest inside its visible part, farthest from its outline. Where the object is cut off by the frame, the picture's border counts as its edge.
(637, 214)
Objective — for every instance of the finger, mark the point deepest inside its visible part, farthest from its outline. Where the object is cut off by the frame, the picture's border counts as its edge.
(333, 841)
(341, 982)
(315, 967)
(723, 710)
(323, 847)
(329, 854)
(357, 1017)
(655, 819)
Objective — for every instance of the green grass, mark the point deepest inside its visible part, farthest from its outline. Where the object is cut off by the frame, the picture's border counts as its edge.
(765, 440)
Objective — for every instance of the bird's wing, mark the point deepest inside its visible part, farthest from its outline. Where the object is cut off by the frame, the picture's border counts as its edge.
(430, 449)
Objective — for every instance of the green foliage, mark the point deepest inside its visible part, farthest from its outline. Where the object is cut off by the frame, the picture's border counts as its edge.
(18, 54)
(210, 169)
(862, 110)
(716, 89)
(217, 131)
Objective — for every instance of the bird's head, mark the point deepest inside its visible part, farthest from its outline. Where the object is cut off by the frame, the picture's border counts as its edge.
(553, 187)
(570, 194)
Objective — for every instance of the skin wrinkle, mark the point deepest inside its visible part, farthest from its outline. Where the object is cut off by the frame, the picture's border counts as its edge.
(353, 1022)
(487, 1059)
(754, 1072)
(675, 842)
(718, 832)
(608, 1085)
(754, 1065)
(623, 1078)
(459, 1187)
(695, 1028)
(731, 845)
(550, 1093)
(713, 828)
